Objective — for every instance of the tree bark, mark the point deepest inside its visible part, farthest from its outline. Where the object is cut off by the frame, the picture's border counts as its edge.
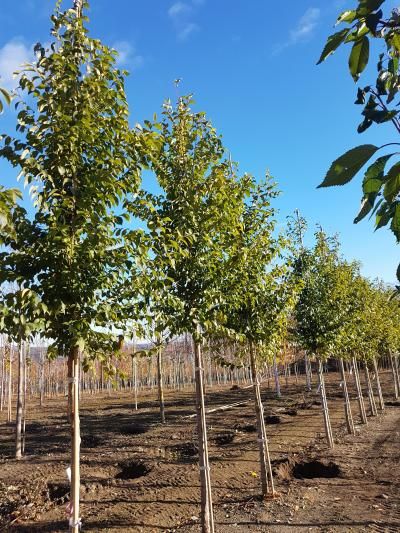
(265, 462)
(20, 402)
(393, 367)
(73, 403)
(325, 410)
(370, 392)
(207, 517)
(378, 386)
(160, 384)
(360, 398)
(347, 406)
(9, 399)
(308, 373)
(276, 377)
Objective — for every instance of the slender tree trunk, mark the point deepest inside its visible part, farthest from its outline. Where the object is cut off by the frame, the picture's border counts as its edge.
(308, 373)
(20, 402)
(160, 384)
(276, 377)
(26, 354)
(347, 406)
(73, 403)
(9, 399)
(207, 516)
(265, 462)
(378, 386)
(325, 410)
(393, 367)
(371, 398)
(3, 379)
(360, 398)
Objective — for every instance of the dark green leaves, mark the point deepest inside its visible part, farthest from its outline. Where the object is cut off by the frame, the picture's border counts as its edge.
(333, 42)
(347, 165)
(359, 56)
(368, 6)
(392, 184)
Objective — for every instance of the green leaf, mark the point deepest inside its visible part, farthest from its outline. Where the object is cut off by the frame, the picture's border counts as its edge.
(392, 185)
(5, 95)
(383, 216)
(333, 42)
(367, 204)
(395, 227)
(373, 177)
(395, 41)
(359, 56)
(367, 6)
(347, 16)
(347, 165)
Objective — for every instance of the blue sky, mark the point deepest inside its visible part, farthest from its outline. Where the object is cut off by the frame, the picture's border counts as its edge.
(251, 66)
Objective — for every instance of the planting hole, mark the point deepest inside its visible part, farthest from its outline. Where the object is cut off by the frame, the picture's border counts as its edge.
(90, 441)
(272, 419)
(132, 470)
(58, 492)
(392, 403)
(291, 412)
(315, 469)
(186, 451)
(224, 438)
(133, 430)
(248, 428)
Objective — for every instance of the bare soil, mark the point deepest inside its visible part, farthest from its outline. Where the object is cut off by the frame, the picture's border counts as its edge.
(141, 476)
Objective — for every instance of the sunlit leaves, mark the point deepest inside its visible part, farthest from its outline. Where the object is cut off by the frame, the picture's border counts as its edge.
(347, 165)
(358, 58)
(334, 41)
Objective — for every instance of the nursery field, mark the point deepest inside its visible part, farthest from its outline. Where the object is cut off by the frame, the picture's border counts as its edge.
(140, 475)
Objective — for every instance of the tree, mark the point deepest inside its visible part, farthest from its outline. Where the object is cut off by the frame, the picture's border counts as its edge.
(20, 311)
(77, 152)
(323, 305)
(260, 295)
(193, 223)
(380, 187)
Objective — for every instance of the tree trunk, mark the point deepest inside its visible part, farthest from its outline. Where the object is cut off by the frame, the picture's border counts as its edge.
(378, 386)
(347, 406)
(73, 404)
(396, 388)
(325, 410)
(265, 462)
(207, 517)
(20, 402)
(276, 377)
(360, 398)
(9, 399)
(371, 398)
(160, 384)
(308, 373)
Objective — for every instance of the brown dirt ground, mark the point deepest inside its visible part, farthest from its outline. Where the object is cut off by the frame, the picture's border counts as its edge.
(365, 496)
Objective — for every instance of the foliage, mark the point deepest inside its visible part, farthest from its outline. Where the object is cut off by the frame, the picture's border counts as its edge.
(77, 152)
(325, 300)
(380, 186)
(4, 95)
(193, 222)
(260, 289)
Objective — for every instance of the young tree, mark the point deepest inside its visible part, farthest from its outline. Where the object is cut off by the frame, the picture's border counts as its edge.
(260, 295)
(380, 187)
(323, 306)
(77, 152)
(193, 223)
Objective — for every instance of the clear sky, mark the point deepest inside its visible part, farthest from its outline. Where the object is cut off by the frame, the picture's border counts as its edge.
(251, 66)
